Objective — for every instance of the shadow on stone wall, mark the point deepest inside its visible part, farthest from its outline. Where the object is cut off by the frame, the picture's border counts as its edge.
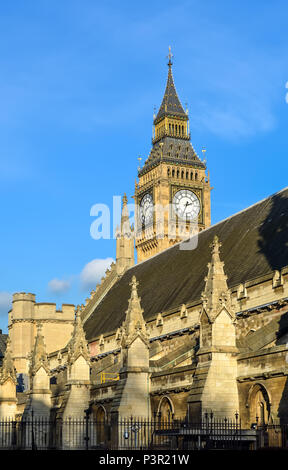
(273, 242)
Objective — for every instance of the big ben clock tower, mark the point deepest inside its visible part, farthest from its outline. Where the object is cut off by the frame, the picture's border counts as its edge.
(173, 191)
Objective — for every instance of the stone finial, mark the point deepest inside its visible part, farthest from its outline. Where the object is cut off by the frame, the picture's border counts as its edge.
(124, 200)
(8, 370)
(183, 311)
(59, 357)
(134, 324)
(118, 334)
(159, 320)
(125, 225)
(78, 345)
(39, 356)
(216, 293)
(277, 280)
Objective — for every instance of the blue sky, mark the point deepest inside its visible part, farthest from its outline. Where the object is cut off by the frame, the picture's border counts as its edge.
(78, 83)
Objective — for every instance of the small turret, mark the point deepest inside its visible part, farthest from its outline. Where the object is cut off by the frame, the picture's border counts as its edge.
(124, 241)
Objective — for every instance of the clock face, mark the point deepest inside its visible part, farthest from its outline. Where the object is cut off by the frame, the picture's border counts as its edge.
(186, 204)
(146, 209)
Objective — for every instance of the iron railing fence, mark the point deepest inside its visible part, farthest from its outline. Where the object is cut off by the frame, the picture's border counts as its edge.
(272, 436)
(38, 433)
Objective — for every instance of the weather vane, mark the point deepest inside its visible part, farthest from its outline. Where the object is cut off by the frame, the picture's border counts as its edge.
(203, 153)
(139, 160)
(169, 57)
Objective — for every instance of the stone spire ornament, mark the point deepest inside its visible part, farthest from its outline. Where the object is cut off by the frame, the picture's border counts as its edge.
(134, 324)
(124, 241)
(8, 370)
(125, 225)
(39, 356)
(78, 345)
(216, 294)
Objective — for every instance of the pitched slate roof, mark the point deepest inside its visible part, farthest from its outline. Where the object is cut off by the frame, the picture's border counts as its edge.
(254, 243)
(171, 104)
(266, 334)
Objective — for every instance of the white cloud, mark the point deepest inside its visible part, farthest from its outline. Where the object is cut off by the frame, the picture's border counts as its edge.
(93, 271)
(233, 123)
(5, 302)
(58, 286)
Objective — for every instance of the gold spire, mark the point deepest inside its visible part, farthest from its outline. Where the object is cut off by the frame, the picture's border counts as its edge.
(169, 57)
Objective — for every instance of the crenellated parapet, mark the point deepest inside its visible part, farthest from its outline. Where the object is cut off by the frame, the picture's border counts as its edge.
(24, 317)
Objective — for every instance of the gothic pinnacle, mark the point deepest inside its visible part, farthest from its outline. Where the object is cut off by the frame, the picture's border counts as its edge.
(78, 344)
(216, 292)
(134, 324)
(8, 369)
(39, 356)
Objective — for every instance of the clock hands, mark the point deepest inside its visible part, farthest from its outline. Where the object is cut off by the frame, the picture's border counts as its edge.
(186, 205)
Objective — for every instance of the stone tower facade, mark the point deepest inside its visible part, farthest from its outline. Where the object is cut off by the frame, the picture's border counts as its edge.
(172, 195)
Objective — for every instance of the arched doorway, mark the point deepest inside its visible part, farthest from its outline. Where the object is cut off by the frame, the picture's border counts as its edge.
(99, 416)
(259, 405)
(165, 409)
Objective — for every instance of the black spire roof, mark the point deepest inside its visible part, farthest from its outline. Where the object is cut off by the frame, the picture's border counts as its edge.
(171, 104)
